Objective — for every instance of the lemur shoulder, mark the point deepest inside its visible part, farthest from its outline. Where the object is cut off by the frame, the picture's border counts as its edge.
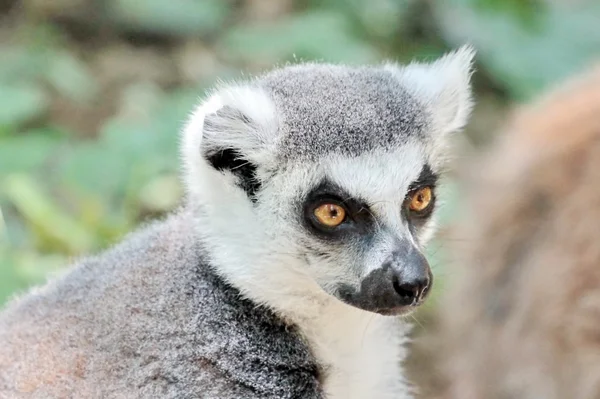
(310, 198)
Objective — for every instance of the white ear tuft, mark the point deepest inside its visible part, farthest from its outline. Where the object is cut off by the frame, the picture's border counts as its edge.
(234, 117)
(238, 119)
(443, 86)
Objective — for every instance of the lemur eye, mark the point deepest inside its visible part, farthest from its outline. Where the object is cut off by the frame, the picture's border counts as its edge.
(420, 199)
(330, 215)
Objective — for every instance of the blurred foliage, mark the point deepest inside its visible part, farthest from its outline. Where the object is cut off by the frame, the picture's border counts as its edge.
(525, 45)
(94, 92)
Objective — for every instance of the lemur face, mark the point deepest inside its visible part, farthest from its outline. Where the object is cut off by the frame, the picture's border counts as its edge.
(377, 232)
(326, 175)
(359, 224)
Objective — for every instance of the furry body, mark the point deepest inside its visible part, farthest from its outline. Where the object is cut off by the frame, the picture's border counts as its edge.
(241, 294)
(189, 337)
(62, 340)
(521, 318)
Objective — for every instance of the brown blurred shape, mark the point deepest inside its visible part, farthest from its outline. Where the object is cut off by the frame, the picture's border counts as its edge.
(520, 316)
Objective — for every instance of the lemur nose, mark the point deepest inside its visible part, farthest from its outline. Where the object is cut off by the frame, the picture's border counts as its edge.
(411, 292)
(403, 281)
(411, 276)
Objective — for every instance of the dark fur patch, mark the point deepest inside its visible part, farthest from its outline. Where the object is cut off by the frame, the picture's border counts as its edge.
(359, 220)
(427, 178)
(230, 160)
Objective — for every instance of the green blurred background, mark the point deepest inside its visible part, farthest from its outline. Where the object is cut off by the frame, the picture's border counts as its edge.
(93, 93)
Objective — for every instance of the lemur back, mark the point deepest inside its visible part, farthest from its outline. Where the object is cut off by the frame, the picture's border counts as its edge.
(521, 316)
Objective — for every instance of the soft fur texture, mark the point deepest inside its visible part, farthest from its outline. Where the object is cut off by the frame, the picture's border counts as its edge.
(521, 318)
(234, 296)
(149, 319)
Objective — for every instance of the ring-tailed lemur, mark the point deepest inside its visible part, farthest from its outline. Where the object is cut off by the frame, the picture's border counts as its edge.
(310, 194)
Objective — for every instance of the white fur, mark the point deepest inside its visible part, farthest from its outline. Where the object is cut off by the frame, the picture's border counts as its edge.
(443, 86)
(364, 351)
(253, 103)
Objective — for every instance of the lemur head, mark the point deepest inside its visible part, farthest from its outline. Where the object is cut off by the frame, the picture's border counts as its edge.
(320, 179)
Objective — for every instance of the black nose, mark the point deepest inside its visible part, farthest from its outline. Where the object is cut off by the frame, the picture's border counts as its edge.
(404, 280)
(410, 275)
(411, 292)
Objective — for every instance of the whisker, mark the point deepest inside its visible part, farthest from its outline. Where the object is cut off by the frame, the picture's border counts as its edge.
(373, 216)
(362, 342)
(417, 321)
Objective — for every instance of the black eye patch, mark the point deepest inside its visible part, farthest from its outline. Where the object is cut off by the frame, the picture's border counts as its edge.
(358, 219)
(427, 178)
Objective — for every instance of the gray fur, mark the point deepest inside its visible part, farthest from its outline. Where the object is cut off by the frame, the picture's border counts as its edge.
(330, 108)
(150, 319)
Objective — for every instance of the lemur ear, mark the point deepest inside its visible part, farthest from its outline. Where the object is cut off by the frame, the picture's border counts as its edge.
(232, 132)
(443, 86)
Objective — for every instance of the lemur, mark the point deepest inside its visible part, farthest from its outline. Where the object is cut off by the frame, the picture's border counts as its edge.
(310, 194)
(520, 318)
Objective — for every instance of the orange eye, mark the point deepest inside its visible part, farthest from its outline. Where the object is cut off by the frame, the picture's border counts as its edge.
(420, 200)
(330, 215)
